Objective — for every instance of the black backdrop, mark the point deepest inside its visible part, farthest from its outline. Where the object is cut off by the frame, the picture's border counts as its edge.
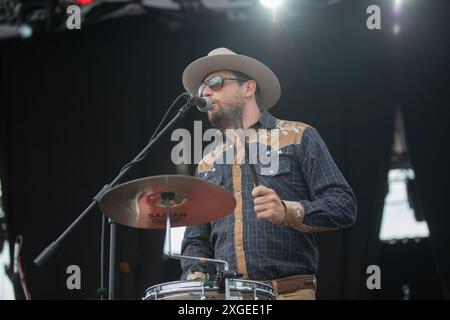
(77, 105)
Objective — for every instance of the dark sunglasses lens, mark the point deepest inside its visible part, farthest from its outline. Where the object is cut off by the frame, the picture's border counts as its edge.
(215, 83)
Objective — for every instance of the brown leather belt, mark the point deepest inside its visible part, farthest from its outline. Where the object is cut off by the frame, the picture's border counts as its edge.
(293, 283)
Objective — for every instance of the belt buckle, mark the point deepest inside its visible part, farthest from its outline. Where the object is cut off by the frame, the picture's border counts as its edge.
(312, 281)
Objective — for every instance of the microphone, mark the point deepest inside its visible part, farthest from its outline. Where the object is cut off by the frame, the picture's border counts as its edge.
(202, 103)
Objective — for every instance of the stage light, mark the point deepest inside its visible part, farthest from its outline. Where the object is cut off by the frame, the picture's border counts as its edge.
(83, 2)
(396, 29)
(273, 4)
(24, 31)
(397, 6)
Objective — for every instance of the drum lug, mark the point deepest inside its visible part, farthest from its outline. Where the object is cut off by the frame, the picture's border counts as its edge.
(255, 297)
(203, 297)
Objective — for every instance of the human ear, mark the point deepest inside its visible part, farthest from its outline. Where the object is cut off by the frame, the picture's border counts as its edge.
(250, 88)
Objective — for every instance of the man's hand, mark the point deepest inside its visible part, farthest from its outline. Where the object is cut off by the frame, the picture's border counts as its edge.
(268, 205)
(197, 275)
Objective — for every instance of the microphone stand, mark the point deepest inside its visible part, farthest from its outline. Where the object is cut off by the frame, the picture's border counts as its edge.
(51, 248)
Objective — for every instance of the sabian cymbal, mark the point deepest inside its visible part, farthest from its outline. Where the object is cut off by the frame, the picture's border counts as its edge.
(142, 203)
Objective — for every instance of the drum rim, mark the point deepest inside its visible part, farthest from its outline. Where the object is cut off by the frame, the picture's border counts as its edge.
(261, 287)
(258, 283)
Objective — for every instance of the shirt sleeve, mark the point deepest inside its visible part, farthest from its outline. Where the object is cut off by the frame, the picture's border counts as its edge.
(332, 203)
(196, 243)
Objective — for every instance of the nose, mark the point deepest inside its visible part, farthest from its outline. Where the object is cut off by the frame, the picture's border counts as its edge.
(207, 92)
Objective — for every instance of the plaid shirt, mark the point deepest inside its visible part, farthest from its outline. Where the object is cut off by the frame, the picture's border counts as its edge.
(307, 179)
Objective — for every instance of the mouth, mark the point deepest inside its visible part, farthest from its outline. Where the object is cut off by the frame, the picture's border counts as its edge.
(213, 106)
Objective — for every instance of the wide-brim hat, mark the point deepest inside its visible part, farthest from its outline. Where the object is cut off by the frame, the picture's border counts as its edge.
(225, 59)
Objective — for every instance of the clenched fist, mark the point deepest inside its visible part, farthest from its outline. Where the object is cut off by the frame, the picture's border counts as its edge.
(268, 205)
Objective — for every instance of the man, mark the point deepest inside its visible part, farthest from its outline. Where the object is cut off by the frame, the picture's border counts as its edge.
(270, 235)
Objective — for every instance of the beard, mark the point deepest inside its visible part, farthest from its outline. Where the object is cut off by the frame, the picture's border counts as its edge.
(227, 115)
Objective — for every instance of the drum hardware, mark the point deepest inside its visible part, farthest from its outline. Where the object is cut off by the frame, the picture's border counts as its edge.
(222, 276)
(255, 297)
(251, 166)
(203, 296)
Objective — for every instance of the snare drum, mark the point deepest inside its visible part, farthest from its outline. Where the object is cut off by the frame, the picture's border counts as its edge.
(203, 290)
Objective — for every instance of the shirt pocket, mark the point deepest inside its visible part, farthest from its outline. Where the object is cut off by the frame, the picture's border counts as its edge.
(275, 176)
(274, 169)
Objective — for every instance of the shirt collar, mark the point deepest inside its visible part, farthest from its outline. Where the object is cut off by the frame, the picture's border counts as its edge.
(266, 120)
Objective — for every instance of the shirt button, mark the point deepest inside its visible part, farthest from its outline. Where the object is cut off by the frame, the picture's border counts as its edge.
(238, 220)
(240, 247)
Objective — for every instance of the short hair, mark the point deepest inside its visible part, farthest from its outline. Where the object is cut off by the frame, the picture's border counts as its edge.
(244, 78)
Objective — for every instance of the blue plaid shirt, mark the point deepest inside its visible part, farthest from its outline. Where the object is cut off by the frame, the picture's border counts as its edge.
(307, 177)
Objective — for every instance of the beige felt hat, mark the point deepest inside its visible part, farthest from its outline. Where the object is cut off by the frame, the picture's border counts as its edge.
(225, 59)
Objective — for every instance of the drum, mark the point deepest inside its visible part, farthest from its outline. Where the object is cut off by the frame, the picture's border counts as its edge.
(209, 290)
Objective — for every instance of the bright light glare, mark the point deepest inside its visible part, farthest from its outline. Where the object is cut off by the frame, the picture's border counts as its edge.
(271, 3)
(177, 239)
(25, 31)
(398, 220)
(397, 7)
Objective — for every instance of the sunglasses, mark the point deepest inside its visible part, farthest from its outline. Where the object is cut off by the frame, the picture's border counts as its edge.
(215, 84)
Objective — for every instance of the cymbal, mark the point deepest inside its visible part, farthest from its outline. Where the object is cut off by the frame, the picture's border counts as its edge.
(142, 203)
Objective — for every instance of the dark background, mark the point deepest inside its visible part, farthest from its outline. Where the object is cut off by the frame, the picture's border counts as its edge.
(77, 105)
